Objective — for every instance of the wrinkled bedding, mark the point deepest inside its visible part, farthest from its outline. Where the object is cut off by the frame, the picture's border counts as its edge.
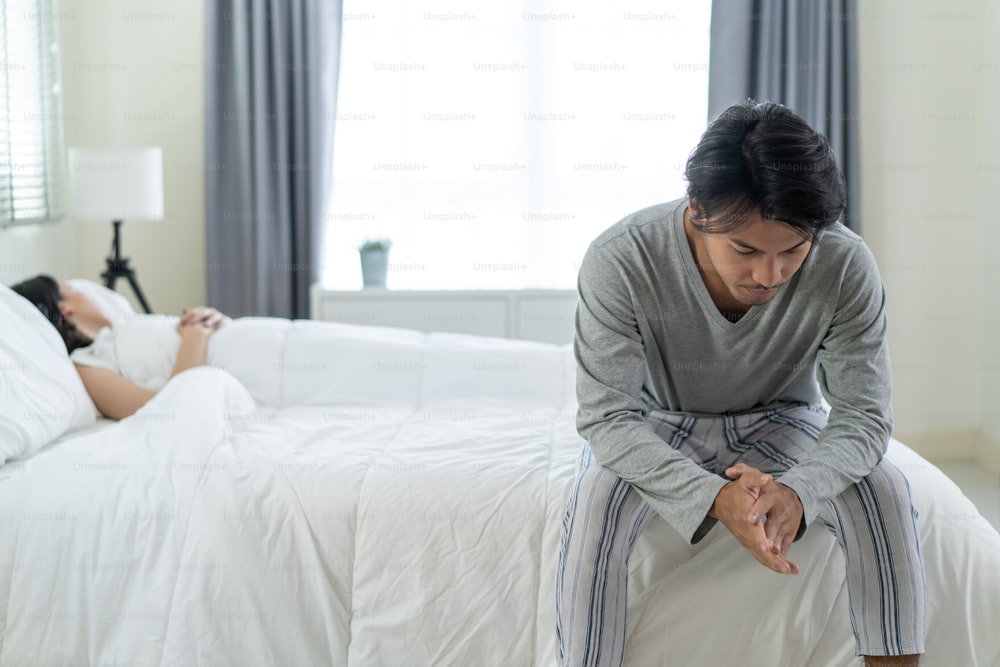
(307, 510)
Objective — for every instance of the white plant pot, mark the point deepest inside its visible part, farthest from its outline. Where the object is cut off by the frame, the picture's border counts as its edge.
(374, 267)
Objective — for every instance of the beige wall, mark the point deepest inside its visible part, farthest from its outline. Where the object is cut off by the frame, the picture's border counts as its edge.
(922, 118)
(28, 250)
(133, 76)
(989, 240)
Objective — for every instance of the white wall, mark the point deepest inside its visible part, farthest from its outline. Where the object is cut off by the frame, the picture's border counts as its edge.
(922, 115)
(29, 250)
(133, 75)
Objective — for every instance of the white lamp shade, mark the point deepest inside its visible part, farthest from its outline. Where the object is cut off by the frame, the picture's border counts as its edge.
(116, 183)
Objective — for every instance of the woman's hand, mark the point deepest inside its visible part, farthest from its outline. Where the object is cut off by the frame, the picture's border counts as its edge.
(196, 326)
(194, 331)
(203, 318)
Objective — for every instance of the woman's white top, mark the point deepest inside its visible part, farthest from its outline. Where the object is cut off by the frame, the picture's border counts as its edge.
(142, 349)
(99, 354)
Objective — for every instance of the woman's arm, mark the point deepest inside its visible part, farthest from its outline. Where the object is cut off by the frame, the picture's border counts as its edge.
(194, 345)
(117, 397)
(195, 327)
(113, 395)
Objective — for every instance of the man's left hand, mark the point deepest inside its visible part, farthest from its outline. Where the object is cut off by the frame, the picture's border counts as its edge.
(783, 509)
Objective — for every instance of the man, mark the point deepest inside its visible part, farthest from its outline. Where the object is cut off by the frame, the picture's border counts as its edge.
(707, 330)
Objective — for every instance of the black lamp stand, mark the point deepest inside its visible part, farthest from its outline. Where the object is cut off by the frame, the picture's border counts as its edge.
(118, 267)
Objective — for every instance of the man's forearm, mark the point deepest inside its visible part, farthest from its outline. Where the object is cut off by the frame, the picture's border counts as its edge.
(677, 488)
(827, 472)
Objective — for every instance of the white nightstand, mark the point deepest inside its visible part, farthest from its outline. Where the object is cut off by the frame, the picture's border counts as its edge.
(542, 315)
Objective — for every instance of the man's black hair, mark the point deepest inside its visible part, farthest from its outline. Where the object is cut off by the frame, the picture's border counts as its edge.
(761, 159)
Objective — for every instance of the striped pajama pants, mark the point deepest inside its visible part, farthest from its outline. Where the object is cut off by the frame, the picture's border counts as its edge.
(874, 522)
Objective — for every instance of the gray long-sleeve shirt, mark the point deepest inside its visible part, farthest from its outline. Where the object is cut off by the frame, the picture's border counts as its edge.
(650, 340)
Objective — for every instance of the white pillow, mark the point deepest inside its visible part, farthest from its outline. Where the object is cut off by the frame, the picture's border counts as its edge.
(114, 306)
(41, 395)
(332, 363)
(464, 366)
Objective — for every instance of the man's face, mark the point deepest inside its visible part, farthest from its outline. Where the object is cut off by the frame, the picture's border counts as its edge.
(753, 261)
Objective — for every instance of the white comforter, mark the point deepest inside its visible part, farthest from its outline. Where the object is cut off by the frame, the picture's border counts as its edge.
(211, 529)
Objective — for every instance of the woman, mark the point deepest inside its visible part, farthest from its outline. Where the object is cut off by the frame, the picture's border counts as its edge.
(89, 338)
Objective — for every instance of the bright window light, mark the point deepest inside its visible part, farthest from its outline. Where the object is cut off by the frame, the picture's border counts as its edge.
(31, 142)
(491, 142)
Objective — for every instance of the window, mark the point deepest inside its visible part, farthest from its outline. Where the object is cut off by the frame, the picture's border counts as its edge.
(31, 142)
(491, 142)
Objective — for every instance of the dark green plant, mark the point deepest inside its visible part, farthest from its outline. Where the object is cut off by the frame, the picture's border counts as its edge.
(375, 244)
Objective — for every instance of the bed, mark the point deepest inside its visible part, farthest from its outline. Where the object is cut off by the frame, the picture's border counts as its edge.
(332, 494)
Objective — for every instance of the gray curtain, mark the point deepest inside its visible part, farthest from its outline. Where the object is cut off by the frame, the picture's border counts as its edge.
(271, 91)
(801, 54)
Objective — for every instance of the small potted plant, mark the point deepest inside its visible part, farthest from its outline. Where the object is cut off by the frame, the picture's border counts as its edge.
(374, 261)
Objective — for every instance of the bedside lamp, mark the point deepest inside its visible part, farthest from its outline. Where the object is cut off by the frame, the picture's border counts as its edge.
(117, 184)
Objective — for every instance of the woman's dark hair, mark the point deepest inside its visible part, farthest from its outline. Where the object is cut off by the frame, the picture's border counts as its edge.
(43, 291)
(761, 159)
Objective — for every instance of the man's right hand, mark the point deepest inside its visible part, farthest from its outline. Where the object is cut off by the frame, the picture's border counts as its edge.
(732, 507)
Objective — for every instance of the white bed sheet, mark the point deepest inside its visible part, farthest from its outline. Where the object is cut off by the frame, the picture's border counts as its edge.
(208, 530)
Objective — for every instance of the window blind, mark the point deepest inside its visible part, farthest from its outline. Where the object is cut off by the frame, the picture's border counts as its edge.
(32, 166)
